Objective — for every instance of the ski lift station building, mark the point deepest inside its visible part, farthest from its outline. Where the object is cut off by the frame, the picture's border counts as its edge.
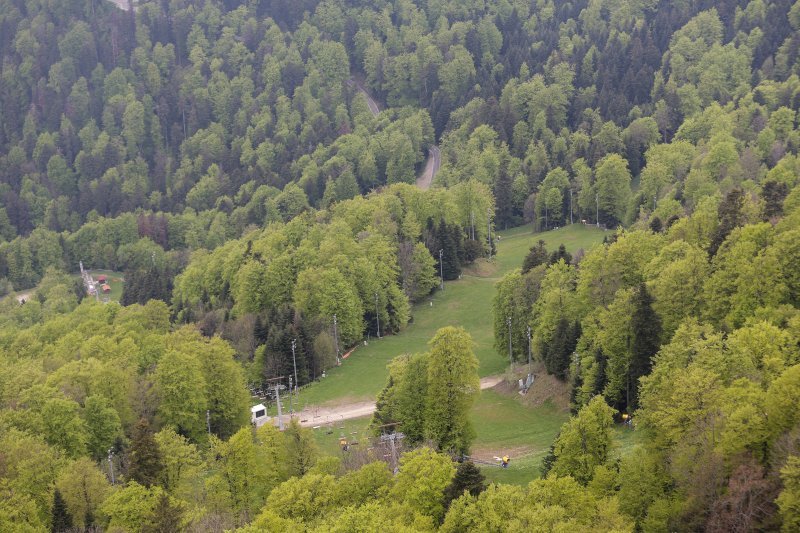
(258, 415)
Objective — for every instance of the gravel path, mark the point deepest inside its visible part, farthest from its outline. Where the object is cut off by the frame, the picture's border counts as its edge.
(320, 416)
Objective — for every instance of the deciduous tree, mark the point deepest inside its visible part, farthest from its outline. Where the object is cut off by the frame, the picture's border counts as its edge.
(453, 385)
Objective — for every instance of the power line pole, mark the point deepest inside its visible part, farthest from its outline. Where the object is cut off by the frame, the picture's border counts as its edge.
(291, 403)
(570, 205)
(276, 386)
(377, 315)
(336, 340)
(441, 271)
(294, 363)
(472, 225)
(529, 350)
(489, 230)
(278, 402)
(510, 357)
(208, 421)
(597, 201)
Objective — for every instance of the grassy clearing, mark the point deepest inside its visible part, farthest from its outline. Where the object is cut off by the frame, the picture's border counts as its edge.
(115, 279)
(466, 302)
(354, 430)
(505, 426)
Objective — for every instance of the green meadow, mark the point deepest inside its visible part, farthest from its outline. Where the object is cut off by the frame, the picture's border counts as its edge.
(504, 425)
(466, 302)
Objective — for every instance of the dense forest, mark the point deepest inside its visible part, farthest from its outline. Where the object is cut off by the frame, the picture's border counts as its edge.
(222, 155)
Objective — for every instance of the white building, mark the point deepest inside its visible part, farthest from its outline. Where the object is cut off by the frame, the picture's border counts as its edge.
(258, 415)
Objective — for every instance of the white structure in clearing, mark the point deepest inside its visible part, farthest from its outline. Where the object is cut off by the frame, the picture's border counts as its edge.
(258, 415)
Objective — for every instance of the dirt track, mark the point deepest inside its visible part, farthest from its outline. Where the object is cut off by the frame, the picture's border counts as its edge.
(320, 416)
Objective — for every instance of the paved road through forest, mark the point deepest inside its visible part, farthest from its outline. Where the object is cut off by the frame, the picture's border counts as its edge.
(434, 160)
(431, 168)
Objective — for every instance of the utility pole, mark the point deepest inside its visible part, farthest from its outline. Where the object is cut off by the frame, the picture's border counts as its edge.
(441, 271)
(291, 404)
(529, 350)
(545, 215)
(570, 205)
(510, 357)
(336, 340)
(111, 464)
(472, 225)
(208, 421)
(489, 230)
(597, 201)
(294, 363)
(276, 386)
(377, 315)
(278, 402)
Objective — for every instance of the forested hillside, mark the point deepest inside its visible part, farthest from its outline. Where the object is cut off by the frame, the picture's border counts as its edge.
(223, 156)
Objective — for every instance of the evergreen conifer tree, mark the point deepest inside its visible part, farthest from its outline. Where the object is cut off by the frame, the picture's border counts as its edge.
(145, 459)
(646, 327)
(451, 267)
(167, 517)
(62, 520)
(773, 193)
(468, 478)
(560, 254)
(558, 351)
(536, 256)
(600, 379)
(656, 226)
(503, 194)
(730, 217)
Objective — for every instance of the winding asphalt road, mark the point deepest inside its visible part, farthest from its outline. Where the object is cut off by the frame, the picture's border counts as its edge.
(431, 168)
(434, 160)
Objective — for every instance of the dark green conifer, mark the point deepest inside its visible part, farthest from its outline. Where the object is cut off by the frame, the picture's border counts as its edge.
(62, 520)
(730, 217)
(145, 459)
(167, 517)
(646, 327)
(773, 193)
(560, 254)
(468, 478)
(656, 226)
(536, 256)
